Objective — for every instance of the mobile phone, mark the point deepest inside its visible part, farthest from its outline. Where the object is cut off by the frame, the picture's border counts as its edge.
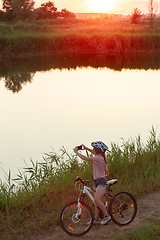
(80, 147)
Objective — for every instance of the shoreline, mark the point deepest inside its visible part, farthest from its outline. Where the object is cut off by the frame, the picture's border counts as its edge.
(79, 44)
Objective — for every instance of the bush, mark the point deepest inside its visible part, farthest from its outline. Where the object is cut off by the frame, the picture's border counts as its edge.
(136, 15)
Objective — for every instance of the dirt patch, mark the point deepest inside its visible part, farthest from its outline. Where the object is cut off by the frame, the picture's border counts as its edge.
(148, 207)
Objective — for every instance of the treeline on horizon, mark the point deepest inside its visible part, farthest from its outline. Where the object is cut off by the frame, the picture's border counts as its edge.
(14, 10)
(22, 10)
(29, 31)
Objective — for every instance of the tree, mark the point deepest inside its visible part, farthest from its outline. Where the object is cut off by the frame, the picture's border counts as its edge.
(7, 5)
(22, 9)
(2, 16)
(136, 15)
(152, 7)
(67, 14)
(18, 9)
(47, 10)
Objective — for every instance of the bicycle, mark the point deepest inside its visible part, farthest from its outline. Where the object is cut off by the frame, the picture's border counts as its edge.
(77, 217)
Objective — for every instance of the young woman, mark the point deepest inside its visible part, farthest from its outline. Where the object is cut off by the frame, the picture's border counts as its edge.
(100, 165)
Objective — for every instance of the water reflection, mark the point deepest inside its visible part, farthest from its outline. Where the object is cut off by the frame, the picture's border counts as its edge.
(15, 82)
(19, 71)
(61, 107)
(44, 63)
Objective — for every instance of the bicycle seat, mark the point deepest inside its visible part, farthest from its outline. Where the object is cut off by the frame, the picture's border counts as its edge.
(111, 182)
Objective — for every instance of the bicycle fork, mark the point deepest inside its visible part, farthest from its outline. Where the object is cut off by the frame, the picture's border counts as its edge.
(77, 216)
(79, 208)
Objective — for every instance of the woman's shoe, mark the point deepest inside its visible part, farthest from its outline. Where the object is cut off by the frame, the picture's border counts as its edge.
(95, 222)
(106, 220)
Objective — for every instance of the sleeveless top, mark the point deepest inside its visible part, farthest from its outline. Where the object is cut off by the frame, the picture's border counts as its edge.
(99, 167)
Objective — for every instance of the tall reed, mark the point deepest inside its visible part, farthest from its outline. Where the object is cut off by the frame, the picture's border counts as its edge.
(34, 198)
(136, 164)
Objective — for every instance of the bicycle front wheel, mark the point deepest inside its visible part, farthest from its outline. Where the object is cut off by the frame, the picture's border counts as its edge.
(76, 220)
(123, 208)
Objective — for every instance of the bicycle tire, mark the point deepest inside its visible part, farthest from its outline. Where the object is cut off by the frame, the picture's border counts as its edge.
(124, 213)
(76, 224)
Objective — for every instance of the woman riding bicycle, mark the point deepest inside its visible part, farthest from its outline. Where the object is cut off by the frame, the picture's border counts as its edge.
(100, 182)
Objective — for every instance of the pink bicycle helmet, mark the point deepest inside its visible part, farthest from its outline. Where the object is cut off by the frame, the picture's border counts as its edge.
(100, 146)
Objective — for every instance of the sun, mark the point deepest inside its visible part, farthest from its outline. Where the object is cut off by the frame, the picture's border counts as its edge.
(102, 6)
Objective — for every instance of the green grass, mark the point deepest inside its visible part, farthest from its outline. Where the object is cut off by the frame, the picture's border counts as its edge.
(77, 36)
(151, 232)
(32, 202)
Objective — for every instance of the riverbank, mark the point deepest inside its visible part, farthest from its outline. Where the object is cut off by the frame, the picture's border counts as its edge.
(79, 36)
(44, 45)
(31, 203)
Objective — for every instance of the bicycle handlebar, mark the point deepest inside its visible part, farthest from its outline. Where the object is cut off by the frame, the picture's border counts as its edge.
(82, 181)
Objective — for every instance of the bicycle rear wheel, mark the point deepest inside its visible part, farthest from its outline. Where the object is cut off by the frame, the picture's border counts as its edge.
(123, 208)
(76, 221)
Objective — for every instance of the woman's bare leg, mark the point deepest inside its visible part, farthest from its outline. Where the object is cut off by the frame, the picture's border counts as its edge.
(97, 198)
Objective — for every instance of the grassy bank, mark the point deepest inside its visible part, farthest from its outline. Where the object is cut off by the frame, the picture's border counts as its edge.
(79, 36)
(146, 233)
(32, 202)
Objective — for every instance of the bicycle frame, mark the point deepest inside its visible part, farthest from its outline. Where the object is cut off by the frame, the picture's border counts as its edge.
(87, 190)
(81, 198)
(77, 217)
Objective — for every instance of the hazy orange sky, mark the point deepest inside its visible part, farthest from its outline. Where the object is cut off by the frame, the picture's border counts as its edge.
(109, 6)
(119, 6)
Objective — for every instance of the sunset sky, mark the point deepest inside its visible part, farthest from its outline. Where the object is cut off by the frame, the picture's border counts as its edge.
(109, 6)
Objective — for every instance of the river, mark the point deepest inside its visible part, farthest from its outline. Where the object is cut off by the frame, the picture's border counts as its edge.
(47, 103)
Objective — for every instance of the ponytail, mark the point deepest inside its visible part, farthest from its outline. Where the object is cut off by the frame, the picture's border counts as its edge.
(105, 159)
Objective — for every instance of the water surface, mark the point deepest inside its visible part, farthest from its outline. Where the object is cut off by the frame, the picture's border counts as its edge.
(67, 106)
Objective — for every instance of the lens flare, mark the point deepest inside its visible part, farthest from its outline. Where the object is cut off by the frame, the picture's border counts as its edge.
(102, 6)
